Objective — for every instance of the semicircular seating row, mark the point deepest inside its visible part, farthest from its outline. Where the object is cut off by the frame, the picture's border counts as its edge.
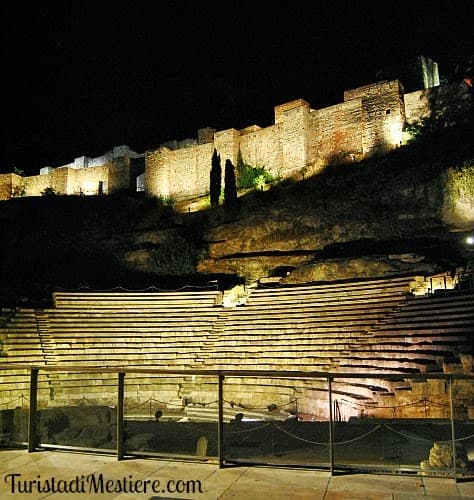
(369, 326)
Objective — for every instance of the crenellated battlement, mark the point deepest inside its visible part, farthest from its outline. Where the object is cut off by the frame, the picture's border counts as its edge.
(301, 142)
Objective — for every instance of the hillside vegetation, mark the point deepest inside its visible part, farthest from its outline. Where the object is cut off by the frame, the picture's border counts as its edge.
(351, 220)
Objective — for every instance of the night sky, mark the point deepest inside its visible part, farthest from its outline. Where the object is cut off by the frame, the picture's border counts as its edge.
(82, 77)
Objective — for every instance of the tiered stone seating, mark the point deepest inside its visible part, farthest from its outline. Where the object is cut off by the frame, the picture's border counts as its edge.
(304, 327)
(130, 329)
(388, 331)
(96, 329)
(361, 326)
(433, 327)
(119, 300)
(309, 328)
(354, 288)
(20, 343)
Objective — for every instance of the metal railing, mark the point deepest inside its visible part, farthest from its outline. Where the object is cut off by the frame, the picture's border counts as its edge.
(220, 377)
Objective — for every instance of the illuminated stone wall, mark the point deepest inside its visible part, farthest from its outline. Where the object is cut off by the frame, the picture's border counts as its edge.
(261, 147)
(13, 186)
(301, 140)
(105, 176)
(56, 179)
(451, 103)
(5, 186)
(156, 173)
(86, 180)
(67, 180)
(227, 144)
(383, 115)
(293, 134)
(335, 135)
(178, 173)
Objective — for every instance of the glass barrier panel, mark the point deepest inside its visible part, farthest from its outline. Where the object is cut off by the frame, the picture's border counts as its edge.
(463, 410)
(170, 415)
(396, 426)
(77, 409)
(280, 421)
(14, 407)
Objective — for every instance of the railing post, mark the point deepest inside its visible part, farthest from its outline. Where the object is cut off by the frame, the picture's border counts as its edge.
(120, 422)
(453, 433)
(220, 424)
(33, 408)
(331, 429)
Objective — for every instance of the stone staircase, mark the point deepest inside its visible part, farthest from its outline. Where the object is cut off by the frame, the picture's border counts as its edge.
(48, 349)
(375, 326)
(208, 347)
(418, 286)
(385, 320)
(45, 337)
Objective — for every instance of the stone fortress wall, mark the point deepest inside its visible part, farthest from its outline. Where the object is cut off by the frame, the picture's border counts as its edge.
(370, 120)
(116, 170)
(301, 141)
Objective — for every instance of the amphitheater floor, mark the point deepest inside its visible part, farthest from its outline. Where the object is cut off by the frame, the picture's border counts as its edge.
(206, 479)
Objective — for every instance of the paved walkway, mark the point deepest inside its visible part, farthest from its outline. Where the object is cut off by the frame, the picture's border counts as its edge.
(82, 473)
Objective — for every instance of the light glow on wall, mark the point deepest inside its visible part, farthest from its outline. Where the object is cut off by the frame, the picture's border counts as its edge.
(165, 191)
(90, 188)
(395, 134)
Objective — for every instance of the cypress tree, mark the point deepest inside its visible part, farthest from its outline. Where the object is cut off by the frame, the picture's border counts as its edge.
(240, 167)
(230, 188)
(215, 179)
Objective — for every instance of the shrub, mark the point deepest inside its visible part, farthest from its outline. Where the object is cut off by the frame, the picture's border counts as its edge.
(168, 201)
(252, 177)
(48, 191)
(176, 257)
(18, 191)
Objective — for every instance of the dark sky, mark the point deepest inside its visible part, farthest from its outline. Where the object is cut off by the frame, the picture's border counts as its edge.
(82, 77)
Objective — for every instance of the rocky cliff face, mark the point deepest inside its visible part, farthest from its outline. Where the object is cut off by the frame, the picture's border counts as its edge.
(307, 225)
(400, 213)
